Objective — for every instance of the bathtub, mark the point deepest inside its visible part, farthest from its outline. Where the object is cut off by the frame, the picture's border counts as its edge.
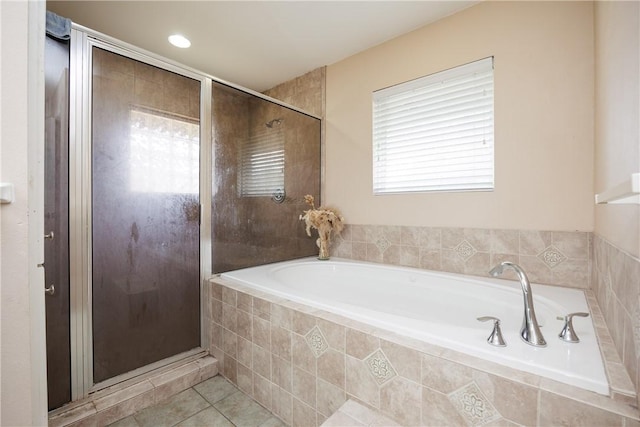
(442, 309)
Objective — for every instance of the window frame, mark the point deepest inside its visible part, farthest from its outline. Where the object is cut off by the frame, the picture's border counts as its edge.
(394, 153)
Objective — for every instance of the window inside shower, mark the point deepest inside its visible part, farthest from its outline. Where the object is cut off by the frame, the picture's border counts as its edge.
(266, 157)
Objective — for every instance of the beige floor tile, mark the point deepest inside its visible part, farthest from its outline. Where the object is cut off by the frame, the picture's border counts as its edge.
(207, 417)
(215, 389)
(130, 421)
(241, 410)
(273, 422)
(172, 410)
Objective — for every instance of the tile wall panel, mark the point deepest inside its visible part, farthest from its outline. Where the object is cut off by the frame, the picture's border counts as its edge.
(549, 257)
(616, 285)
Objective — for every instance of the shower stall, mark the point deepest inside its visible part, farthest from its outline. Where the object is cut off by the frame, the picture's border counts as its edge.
(157, 176)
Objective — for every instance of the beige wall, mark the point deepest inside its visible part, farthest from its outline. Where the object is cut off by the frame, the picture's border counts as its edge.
(616, 244)
(543, 118)
(23, 391)
(617, 117)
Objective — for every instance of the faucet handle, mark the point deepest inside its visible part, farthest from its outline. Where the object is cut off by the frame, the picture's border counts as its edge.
(496, 335)
(568, 334)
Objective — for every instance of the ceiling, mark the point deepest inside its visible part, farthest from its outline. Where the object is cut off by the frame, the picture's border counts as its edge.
(256, 44)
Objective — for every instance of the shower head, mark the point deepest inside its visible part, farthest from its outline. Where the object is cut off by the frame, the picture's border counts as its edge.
(273, 122)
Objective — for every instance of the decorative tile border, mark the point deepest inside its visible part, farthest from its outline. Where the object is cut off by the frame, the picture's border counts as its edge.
(551, 256)
(380, 367)
(317, 342)
(465, 250)
(474, 407)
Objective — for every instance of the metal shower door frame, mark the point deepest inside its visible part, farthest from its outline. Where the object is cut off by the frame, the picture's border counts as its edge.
(83, 41)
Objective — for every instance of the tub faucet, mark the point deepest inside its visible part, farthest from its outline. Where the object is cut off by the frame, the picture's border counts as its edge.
(530, 331)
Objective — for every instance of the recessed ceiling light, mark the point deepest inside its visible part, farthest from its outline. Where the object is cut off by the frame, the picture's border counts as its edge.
(179, 41)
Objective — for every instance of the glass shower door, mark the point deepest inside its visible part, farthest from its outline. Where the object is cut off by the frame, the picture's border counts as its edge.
(145, 214)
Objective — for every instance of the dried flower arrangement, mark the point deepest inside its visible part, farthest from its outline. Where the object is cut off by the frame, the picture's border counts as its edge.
(325, 220)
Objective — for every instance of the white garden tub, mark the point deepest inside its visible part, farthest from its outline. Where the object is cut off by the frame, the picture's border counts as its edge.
(442, 309)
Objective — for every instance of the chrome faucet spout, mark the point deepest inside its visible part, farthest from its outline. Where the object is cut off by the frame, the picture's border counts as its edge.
(530, 331)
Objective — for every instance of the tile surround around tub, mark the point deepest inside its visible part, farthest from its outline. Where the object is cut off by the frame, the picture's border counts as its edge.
(303, 364)
(549, 257)
(616, 285)
(121, 400)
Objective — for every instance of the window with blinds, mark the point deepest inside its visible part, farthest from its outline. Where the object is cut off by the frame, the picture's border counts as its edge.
(435, 133)
(262, 164)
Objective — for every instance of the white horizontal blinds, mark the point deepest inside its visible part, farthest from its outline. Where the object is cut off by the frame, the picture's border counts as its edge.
(435, 133)
(262, 163)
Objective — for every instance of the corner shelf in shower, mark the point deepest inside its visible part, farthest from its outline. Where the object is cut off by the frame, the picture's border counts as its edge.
(627, 192)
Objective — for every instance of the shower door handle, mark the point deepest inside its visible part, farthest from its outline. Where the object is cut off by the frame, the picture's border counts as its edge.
(50, 290)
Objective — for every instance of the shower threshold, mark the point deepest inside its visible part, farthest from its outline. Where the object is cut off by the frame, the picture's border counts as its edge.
(120, 400)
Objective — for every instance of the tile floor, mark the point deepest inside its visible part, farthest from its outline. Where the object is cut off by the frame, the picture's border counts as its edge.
(214, 402)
